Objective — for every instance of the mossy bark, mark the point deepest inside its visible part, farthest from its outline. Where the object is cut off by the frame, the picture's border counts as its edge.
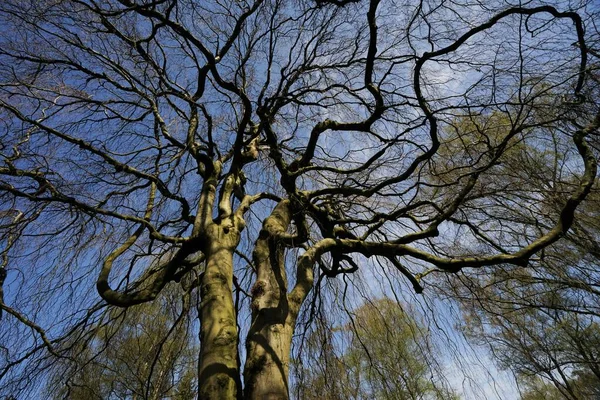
(274, 314)
(218, 367)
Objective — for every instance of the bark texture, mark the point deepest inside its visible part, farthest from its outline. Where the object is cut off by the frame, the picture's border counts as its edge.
(274, 313)
(218, 367)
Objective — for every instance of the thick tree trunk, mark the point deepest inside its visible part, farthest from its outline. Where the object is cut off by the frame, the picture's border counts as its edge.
(267, 364)
(273, 314)
(218, 367)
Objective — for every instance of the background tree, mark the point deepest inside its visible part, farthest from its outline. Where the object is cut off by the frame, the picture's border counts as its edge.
(582, 387)
(142, 352)
(240, 143)
(543, 321)
(538, 390)
(382, 353)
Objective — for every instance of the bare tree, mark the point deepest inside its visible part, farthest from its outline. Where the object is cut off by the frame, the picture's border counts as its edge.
(240, 143)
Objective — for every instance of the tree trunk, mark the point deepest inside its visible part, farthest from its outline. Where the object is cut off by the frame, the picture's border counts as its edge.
(268, 358)
(218, 367)
(273, 314)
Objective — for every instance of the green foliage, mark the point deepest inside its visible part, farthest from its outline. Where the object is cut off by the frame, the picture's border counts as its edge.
(382, 353)
(144, 352)
(541, 321)
(537, 389)
(581, 385)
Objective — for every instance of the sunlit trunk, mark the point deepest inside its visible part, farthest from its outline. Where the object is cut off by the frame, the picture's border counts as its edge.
(273, 315)
(267, 364)
(218, 367)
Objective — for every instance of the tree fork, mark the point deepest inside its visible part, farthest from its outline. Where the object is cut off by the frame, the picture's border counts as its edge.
(273, 314)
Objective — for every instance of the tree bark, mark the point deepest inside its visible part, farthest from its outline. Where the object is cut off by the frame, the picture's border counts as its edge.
(273, 314)
(267, 363)
(218, 367)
